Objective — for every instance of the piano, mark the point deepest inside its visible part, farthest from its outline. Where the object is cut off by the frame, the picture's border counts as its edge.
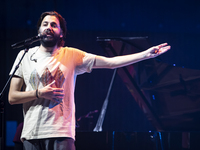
(169, 96)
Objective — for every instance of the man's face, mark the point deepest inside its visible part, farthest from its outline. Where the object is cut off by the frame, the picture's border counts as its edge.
(51, 26)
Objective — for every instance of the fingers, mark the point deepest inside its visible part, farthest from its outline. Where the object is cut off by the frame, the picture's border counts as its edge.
(58, 92)
(162, 45)
(166, 48)
(162, 48)
(159, 49)
(50, 84)
(53, 94)
(58, 95)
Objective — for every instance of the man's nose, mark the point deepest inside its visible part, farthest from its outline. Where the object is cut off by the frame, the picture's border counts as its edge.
(48, 31)
(49, 27)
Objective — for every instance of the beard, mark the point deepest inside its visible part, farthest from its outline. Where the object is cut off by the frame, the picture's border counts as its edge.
(50, 41)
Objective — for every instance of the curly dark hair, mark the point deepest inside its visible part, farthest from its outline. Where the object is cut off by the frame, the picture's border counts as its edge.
(62, 24)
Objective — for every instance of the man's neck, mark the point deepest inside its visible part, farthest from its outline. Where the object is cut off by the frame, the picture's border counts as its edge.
(48, 49)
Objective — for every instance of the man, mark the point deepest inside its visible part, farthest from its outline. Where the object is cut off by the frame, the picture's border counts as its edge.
(49, 72)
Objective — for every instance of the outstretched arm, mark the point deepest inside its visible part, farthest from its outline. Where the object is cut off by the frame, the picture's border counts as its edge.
(121, 61)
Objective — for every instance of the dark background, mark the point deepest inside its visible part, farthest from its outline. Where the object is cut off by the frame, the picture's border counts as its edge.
(174, 21)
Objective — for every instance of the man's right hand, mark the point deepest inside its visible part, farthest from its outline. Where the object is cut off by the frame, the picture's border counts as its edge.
(51, 93)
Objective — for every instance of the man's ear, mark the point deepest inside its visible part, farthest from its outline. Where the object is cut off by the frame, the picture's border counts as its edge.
(61, 34)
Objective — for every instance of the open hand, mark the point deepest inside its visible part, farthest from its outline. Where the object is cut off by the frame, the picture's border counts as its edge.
(157, 50)
(53, 94)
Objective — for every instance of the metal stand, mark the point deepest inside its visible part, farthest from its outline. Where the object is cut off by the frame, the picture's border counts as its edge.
(98, 127)
(2, 119)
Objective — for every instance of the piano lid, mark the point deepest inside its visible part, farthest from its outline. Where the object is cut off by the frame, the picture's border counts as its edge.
(169, 96)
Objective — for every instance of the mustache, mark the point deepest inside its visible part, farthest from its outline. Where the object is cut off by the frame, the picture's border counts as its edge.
(48, 32)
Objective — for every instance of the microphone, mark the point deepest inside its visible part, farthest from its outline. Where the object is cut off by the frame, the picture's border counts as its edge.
(29, 41)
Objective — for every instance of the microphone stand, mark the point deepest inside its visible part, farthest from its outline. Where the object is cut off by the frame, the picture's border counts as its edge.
(2, 144)
(98, 127)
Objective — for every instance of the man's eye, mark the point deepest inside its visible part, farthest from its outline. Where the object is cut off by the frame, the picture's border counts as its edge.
(45, 24)
(54, 25)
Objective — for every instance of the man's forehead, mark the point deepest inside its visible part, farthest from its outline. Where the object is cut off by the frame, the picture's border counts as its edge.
(50, 18)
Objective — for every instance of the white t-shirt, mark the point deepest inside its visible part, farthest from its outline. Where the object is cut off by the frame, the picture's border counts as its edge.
(42, 117)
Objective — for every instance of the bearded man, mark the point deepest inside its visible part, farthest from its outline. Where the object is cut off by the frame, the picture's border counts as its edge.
(49, 73)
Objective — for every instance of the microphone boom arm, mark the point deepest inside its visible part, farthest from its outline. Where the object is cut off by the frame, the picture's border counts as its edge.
(28, 41)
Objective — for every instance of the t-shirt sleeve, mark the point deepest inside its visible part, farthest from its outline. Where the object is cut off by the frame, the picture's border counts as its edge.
(87, 64)
(19, 70)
